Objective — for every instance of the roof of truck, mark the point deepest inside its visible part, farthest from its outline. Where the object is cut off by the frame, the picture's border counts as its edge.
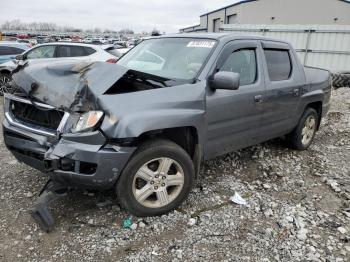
(220, 36)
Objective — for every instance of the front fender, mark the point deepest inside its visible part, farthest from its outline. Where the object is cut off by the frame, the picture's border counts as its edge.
(134, 124)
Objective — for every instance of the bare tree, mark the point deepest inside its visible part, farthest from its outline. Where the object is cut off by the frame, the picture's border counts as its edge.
(36, 26)
(126, 31)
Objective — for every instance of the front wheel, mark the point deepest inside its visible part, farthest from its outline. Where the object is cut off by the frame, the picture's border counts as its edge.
(5, 86)
(303, 135)
(156, 180)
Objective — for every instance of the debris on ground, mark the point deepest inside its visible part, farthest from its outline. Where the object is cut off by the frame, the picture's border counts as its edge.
(237, 199)
(127, 223)
(192, 222)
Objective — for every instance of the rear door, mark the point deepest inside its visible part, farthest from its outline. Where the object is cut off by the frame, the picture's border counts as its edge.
(284, 83)
(234, 116)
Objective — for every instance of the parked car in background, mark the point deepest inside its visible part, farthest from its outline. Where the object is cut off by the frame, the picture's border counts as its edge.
(42, 40)
(31, 42)
(9, 50)
(63, 51)
(66, 39)
(96, 41)
(87, 40)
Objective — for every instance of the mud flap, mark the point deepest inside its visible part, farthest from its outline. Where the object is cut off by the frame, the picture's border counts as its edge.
(40, 211)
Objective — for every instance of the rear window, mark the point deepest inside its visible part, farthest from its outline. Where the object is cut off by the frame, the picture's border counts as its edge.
(114, 52)
(279, 64)
(70, 51)
(9, 50)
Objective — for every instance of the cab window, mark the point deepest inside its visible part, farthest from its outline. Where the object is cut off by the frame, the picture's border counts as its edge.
(279, 64)
(242, 61)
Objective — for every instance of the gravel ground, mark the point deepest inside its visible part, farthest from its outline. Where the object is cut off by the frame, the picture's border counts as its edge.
(298, 209)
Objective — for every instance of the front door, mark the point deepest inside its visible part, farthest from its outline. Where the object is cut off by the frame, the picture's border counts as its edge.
(234, 116)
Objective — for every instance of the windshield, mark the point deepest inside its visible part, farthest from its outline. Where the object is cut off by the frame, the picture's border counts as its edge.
(171, 58)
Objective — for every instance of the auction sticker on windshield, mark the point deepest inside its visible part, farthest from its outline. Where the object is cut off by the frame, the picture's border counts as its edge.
(205, 44)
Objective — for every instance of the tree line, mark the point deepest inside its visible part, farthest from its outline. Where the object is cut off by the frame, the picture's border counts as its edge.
(17, 24)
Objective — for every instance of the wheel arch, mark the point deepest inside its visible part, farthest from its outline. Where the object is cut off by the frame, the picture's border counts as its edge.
(5, 71)
(313, 99)
(186, 137)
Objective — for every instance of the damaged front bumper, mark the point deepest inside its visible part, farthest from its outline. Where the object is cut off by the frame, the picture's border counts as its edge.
(77, 160)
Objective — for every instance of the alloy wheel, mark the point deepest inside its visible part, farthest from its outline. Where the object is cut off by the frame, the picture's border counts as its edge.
(309, 130)
(157, 183)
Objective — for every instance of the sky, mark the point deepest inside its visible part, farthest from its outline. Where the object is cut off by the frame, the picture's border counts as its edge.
(139, 15)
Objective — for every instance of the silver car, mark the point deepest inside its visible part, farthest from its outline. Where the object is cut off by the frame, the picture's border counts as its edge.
(63, 51)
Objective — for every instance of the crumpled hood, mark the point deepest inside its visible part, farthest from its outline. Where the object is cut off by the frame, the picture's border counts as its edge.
(67, 85)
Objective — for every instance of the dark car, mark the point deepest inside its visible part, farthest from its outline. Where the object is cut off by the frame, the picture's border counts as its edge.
(145, 125)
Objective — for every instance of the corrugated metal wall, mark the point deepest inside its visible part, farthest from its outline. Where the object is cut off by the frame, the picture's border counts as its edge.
(324, 46)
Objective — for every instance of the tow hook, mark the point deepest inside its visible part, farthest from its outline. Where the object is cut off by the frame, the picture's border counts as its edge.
(40, 211)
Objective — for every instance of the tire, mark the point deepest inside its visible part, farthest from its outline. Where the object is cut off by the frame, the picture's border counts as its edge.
(142, 193)
(302, 136)
(5, 79)
(341, 79)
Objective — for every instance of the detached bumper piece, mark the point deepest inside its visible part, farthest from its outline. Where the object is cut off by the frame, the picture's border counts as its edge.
(40, 211)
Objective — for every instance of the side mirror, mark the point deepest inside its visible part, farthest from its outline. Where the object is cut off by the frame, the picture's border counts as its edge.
(19, 57)
(225, 80)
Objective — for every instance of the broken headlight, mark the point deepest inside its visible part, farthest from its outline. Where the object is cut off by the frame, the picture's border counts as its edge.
(88, 121)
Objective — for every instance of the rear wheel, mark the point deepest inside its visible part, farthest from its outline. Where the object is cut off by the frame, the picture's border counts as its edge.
(303, 135)
(156, 180)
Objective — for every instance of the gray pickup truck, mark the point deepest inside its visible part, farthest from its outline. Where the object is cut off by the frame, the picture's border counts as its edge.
(143, 126)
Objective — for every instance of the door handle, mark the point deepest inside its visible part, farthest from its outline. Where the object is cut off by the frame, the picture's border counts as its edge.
(258, 99)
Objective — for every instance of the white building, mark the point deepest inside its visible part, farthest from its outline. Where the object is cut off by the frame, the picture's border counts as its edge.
(286, 12)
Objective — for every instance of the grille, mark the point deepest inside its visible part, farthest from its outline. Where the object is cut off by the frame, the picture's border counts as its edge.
(47, 118)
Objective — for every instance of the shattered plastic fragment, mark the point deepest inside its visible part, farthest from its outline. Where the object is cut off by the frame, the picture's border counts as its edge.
(127, 223)
(237, 199)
